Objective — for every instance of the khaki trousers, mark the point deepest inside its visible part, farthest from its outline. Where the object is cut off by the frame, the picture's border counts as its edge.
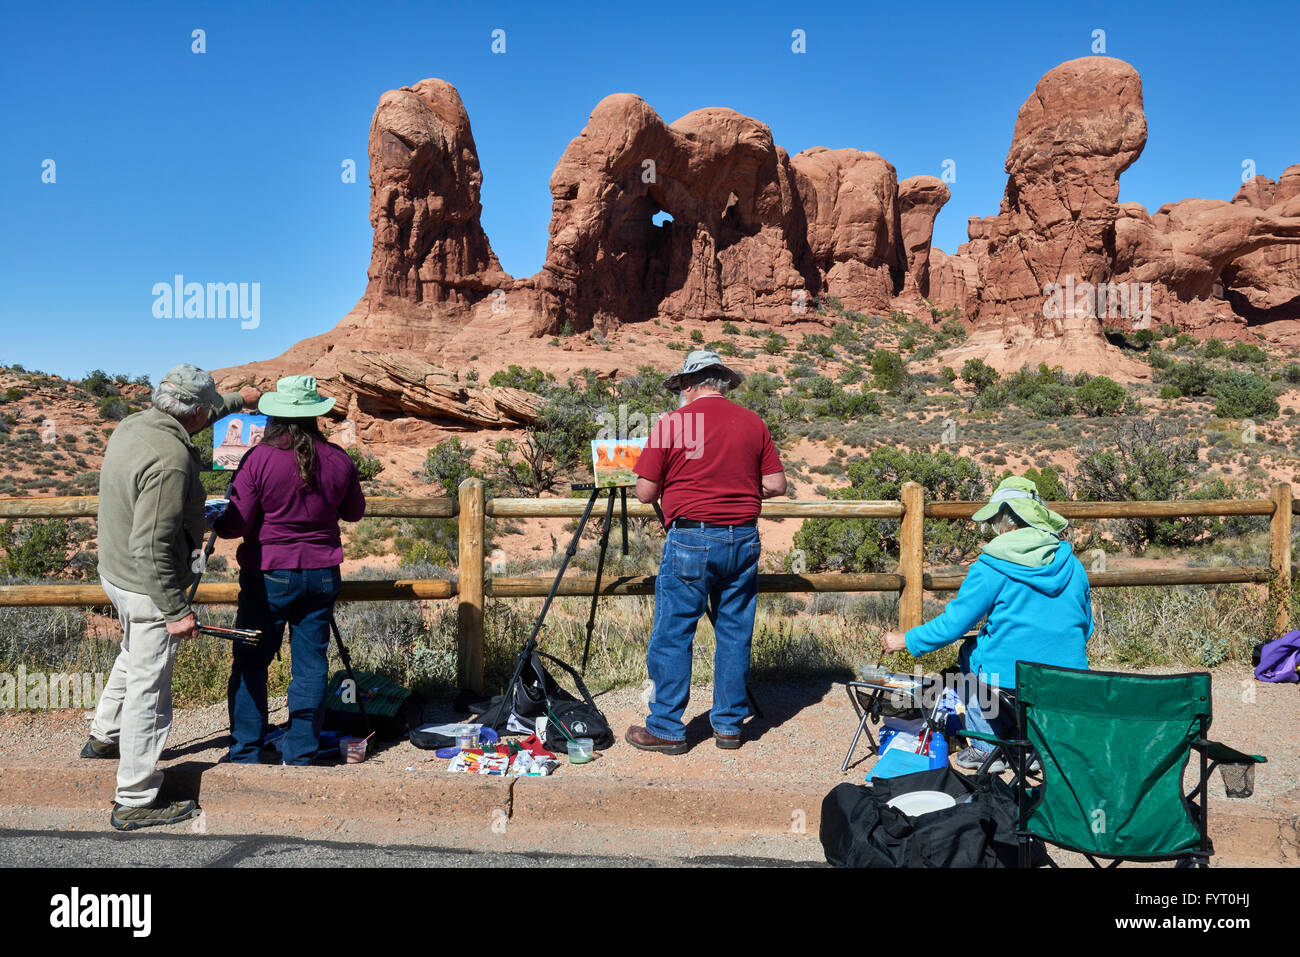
(135, 710)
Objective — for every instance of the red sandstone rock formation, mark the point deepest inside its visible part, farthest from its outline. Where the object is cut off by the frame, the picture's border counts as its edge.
(735, 244)
(919, 200)
(757, 235)
(1264, 286)
(429, 245)
(1082, 126)
(851, 205)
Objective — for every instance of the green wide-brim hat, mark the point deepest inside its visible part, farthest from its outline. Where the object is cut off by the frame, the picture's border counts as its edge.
(295, 397)
(1021, 496)
(698, 361)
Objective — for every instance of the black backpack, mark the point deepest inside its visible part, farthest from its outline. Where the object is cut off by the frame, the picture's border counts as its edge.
(533, 695)
(860, 829)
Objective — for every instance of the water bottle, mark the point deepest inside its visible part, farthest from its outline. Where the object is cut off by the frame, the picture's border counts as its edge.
(938, 751)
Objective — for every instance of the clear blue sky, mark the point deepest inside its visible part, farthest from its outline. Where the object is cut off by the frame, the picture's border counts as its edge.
(225, 166)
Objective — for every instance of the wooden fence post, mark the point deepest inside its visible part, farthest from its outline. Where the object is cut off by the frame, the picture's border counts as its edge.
(1280, 542)
(469, 662)
(911, 555)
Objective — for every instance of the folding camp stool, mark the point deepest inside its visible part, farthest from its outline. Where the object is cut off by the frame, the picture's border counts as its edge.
(868, 698)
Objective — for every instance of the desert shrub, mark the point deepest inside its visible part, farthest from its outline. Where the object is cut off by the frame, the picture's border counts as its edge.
(449, 464)
(1245, 352)
(516, 377)
(1145, 462)
(979, 374)
(817, 345)
(953, 329)
(1100, 395)
(1050, 400)
(849, 405)
(1158, 358)
(113, 408)
(1170, 392)
(98, 383)
(1190, 378)
(36, 548)
(860, 545)
(367, 466)
(1243, 394)
(1291, 373)
(1214, 349)
(888, 370)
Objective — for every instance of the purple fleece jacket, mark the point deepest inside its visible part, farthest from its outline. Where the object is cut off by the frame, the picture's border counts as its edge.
(285, 524)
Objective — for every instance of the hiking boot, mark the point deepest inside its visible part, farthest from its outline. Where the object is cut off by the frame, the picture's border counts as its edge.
(151, 815)
(972, 759)
(727, 742)
(99, 749)
(641, 738)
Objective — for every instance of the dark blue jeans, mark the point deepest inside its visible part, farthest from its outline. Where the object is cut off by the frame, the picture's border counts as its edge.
(697, 564)
(303, 599)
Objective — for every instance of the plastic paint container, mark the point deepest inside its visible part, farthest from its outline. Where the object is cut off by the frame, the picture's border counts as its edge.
(468, 740)
(353, 750)
(580, 750)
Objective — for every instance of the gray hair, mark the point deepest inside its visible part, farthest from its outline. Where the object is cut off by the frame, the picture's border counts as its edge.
(710, 378)
(1006, 520)
(166, 398)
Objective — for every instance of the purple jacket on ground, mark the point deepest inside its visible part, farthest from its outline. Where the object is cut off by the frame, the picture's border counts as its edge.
(285, 524)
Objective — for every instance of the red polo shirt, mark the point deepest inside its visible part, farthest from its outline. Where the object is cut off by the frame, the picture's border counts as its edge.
(711, 456)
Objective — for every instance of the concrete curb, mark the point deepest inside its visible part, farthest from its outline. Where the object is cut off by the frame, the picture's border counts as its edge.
(659, 816)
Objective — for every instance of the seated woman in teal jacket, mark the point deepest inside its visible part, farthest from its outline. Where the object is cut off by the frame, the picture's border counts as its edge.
(1033, 596)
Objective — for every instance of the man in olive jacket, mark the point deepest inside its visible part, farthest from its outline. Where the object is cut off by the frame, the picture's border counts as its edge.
(151, 533)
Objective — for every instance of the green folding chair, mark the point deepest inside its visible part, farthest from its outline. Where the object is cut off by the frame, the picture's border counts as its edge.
(1113, 748)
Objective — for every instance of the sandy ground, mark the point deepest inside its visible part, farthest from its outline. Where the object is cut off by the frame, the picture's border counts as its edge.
(762, 800)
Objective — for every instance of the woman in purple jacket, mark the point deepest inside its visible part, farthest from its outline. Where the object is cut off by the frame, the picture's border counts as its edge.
(286, 502)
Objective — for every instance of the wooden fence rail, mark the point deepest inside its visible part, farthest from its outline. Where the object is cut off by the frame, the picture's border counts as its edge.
(473, 585)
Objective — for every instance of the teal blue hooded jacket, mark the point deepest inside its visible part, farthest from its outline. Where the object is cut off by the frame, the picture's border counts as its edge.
(1037, 610)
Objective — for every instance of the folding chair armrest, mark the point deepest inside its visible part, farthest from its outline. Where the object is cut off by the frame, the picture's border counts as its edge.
(991, 739)
(1226, 755)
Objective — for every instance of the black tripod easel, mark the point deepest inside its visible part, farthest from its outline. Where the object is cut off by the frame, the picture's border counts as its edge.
(618, 492)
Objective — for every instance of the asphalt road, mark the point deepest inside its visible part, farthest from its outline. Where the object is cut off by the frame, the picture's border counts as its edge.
(70, 849)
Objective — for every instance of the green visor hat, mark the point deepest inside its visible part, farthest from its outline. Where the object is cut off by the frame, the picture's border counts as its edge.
(1021, 496)
(295, 397)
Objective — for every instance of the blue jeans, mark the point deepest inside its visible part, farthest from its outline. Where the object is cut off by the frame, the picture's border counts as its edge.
(697, 564)
(993, 720)
(303, 599)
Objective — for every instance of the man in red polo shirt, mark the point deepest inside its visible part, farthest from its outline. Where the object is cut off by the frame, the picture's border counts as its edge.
(713, 462)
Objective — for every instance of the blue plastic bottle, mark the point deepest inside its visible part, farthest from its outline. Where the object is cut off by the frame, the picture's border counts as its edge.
(938, 751)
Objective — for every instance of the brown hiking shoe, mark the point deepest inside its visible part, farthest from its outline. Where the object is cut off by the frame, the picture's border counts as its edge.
(728, 742)
(639, 737)
(152, 815)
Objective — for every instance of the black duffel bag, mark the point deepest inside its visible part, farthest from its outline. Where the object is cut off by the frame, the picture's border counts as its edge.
(533, 696)
(860, 829)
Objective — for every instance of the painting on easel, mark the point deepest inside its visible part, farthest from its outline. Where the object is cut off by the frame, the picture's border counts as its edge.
(612, 461)
(232, 436)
